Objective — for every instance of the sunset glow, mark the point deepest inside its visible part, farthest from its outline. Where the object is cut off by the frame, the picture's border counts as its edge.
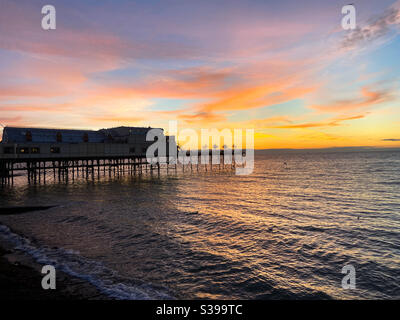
(290, 72)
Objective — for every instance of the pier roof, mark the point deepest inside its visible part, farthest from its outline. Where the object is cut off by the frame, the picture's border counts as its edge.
(42, 135)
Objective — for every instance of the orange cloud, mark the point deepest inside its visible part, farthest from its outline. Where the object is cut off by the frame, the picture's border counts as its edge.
(116, 119)
(369, 98)
(202, 118)
(31, 90)
(45, 107)
(330, 123)
(254, 97)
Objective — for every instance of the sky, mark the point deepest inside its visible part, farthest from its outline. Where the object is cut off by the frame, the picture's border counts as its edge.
(286, 69)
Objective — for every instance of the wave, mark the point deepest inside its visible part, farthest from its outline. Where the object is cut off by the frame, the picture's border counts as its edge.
(106, 280)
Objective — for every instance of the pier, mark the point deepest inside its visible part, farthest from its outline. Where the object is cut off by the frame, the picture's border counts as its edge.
(40, 170)
(42, 155)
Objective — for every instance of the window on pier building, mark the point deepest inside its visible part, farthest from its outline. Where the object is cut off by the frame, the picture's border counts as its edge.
(59, 137)
(55, 150)
(144, 150)
(35, 150)
(28, 136)
(85, 137)
(132, 150)
(23, 150)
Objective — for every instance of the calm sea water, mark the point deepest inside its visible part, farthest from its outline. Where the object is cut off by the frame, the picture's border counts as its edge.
(283, 232)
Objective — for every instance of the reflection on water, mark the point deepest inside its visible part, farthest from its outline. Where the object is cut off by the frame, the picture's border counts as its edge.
(285, 231)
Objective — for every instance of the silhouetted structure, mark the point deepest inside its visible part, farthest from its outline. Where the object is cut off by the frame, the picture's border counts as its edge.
(73, 153)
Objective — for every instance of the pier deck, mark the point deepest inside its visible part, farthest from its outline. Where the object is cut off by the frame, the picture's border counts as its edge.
(65, 168)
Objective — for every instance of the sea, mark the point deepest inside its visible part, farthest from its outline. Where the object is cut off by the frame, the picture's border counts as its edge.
(286, 231)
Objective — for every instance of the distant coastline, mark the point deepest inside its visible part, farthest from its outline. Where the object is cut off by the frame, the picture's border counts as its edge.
(332, 149)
